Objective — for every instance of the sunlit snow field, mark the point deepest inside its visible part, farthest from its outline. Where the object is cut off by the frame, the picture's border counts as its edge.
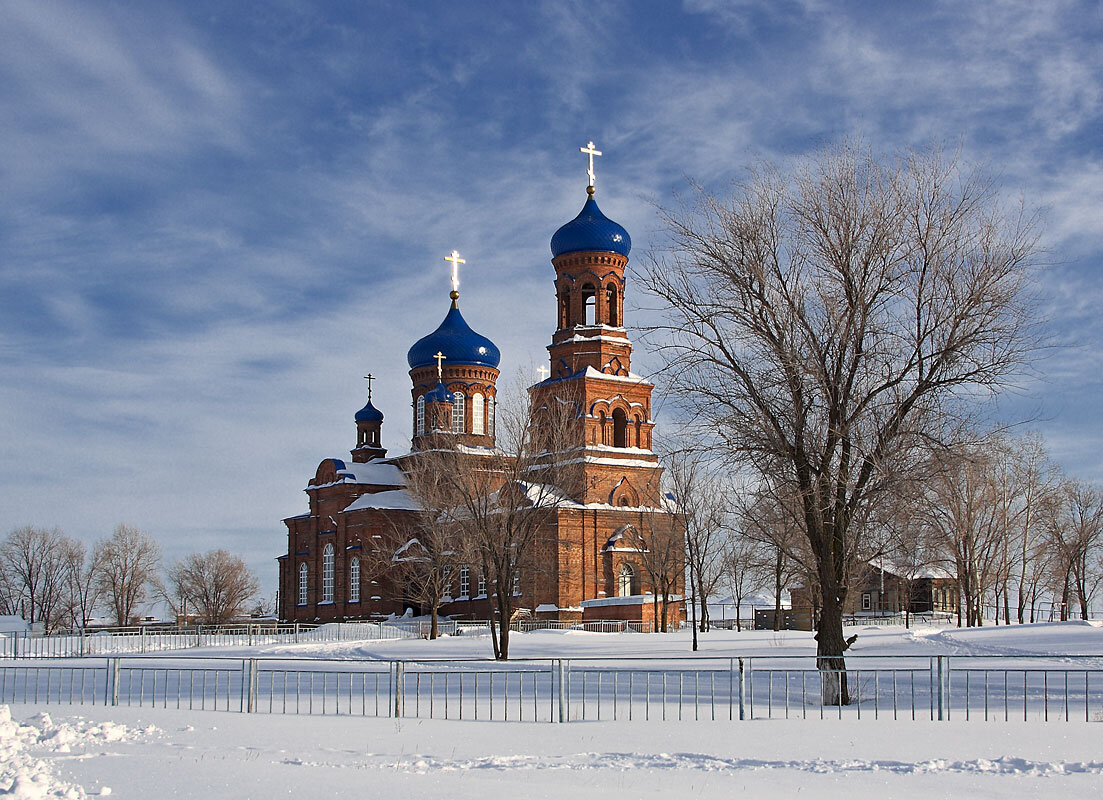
(75, 751)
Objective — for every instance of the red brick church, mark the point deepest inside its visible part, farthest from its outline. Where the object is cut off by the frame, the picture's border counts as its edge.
(331, 571)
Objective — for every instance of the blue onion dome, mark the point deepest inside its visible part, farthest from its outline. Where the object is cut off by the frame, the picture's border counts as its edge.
(438, 394)
(457, 341)
(591, 230)
(369, 413)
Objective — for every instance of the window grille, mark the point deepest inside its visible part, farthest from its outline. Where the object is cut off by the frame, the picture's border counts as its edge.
(419, 420)
(465, 582)
(302, 584)
(477, 419)
(354, 581)
(327, 574)
(457, 412)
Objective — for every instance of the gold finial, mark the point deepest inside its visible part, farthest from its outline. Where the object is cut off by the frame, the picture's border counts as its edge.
(591, 152)
(440, 357)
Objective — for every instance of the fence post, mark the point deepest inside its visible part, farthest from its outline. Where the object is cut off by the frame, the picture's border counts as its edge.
(252, 686)
(398, 680)
(741, 690)
(560, 689)
(113, 665)
(249, 628)
(296, 633)
(142, 637)
(939, 678)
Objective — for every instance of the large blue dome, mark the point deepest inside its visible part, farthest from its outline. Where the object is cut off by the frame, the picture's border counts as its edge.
(457, 341)
(591, 230)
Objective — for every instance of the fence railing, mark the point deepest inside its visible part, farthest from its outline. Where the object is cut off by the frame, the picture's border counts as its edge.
(142, 639)
(566, 690)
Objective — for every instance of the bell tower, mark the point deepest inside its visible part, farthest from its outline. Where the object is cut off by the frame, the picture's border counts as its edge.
(591, 358)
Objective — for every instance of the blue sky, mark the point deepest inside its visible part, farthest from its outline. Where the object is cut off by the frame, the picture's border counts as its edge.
(216, 217)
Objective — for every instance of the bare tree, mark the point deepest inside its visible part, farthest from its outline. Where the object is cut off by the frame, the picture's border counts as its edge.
(33, 561)
(700, 499)
(82, 587)
(1077, 531)
(660, 542)
(427, 547)
(218, 585)
(127, 567)
(824, 327)
(505, 502)
(741, 570)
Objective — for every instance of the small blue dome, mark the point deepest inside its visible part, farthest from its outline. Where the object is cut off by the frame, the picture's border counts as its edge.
(438, 394)
(369, 413)
(591, 230)
(457, 341)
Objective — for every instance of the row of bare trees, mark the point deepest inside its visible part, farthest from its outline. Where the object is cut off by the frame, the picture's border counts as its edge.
(49, 579)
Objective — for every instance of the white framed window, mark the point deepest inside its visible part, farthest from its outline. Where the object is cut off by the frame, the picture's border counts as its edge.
(477, 419)
(419, 417)
(465, 581)
(302, 584)
(354, 580)
(490, 403)
(327, 574)
(457, 412)
(482, 584)
(867, 601)
(516, 582)
(624, 580)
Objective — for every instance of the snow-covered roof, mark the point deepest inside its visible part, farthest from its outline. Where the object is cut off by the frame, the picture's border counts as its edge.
(916, 572)
(396, 499)
(373, 473)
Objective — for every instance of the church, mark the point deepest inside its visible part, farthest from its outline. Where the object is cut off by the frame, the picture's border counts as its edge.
(595, 563)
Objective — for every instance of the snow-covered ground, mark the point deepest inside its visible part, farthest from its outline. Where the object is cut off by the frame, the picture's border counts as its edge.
(76, 751)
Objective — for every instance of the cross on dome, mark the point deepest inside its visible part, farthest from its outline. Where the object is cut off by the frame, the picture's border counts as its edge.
(440, 369)
(591, 152)
(543, 372)
(369, 378)
(456, 261)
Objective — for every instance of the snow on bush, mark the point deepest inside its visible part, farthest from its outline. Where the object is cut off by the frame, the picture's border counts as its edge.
(26, 776)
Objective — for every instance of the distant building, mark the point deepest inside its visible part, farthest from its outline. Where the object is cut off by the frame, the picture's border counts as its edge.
(592, 568)
(889, 589)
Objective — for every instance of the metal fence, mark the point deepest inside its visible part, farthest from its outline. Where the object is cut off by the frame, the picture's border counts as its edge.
(568, 690)
(143, 639)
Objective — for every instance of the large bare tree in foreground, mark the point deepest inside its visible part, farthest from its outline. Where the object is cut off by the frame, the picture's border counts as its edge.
(825, 326)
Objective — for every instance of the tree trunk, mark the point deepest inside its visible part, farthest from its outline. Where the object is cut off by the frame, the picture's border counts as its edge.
(693, 621)
(434, 628)
(830, 645)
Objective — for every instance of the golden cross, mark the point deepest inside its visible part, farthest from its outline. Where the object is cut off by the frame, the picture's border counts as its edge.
(369, 378)
(440, 370)
(591, 152)
(543, 372)
(456, 261)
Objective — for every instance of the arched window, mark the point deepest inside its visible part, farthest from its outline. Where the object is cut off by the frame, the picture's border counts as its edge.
(490, 403)
(611, 305)
(465, 581)
(589, 305)
(419, 418)
(626, 581)
(478, 421)
(620, 428)
(354, 580)
(302, 584)
(639, 431)
(457, 412)
(327, 574)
